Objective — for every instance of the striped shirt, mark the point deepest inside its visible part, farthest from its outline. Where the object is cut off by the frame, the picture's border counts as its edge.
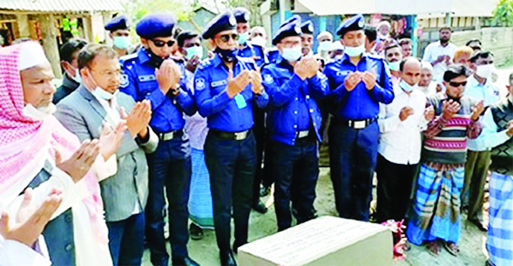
(446, 140)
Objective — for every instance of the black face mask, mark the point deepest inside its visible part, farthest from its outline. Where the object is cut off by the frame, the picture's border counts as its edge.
(155, 60)
(454, 99)
(227, 55)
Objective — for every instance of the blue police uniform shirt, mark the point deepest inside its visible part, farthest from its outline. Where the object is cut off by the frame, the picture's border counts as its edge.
(359, 103)
(139, 81)
(272, 55)
(223, 113)
(292, 101)
(253, 51)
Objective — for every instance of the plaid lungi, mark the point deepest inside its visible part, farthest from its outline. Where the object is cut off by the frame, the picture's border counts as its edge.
(436, 210)
(500, 230)
(200, 200)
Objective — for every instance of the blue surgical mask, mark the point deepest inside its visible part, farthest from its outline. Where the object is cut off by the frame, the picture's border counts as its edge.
(354, 51)
(243, 38)
(194, 50)
(122, 42)
(394, 66)
(292, 54)
(405, 86)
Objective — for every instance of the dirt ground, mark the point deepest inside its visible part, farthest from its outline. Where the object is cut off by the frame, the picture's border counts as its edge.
(472, 241)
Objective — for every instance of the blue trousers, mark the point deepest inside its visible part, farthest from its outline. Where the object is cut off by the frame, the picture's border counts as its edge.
(231, 164)
(353, 155)
(296, 170)
(126, 240)
(170, 167)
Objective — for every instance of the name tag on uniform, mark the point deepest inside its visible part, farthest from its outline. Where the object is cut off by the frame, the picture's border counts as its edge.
(343, 73)
(144, 78)
(218, 83)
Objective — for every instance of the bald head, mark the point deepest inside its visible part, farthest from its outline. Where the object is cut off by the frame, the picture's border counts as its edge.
(410, 70)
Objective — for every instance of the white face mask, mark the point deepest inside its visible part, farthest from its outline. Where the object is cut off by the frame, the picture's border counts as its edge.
(291, 54)
(324, 46)
(260, 41)
(77, 77)
(405, 86)
(485, 71)
(100, 93)
(354, 51)
(39, 113)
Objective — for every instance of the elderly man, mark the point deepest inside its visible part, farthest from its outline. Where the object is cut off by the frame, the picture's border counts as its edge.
(426, 83)
(40, 153)
(125, 193)
(18, 238)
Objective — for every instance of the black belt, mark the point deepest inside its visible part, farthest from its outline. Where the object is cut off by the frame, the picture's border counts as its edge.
(356, 124)
(170, 135)
(230, 135)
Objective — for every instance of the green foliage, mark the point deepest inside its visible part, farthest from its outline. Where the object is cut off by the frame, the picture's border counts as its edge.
(503, 13)
(136, 9)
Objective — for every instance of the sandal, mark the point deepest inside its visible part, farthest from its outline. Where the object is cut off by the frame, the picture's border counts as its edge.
(433, 248)
(452, 248)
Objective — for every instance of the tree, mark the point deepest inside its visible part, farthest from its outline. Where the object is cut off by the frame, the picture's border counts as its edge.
(503, 13)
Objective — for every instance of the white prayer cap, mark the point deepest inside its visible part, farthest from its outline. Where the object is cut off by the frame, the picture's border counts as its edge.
(426, 65)
(31, 54)
(336, 45)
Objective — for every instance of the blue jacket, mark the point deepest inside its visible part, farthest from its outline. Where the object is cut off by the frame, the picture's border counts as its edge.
(255, 52)
(223, 113)
(292, 101)
(139, 81)
(360, 103)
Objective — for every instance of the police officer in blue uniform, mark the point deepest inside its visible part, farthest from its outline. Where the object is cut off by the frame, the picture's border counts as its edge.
(273, 53)
(294, 85)
(118, 28)
(307, 37)
(246, 49)
(150, 74)
(227, 87)
(358, 83)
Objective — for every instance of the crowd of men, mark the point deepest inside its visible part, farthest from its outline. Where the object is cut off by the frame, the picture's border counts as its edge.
(166, 128)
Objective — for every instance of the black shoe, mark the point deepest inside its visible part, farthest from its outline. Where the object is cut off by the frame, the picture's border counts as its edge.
(195, 232)
(185, 262)
(479, 225)
(227, 258)
(259, 207)
(264, 191)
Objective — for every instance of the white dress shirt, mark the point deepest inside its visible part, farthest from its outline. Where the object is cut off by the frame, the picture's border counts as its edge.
(489, 94)
(400, 141)
(433, 51)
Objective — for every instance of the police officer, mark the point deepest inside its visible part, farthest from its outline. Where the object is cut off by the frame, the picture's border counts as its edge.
(150, 74)
(358, 83)
(294, 84)
(227, 87)
(247, 49)
(119, 33)
(307, 37)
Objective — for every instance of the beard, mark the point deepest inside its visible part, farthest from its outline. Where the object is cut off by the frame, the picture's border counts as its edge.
(48, 109)
(444, 40)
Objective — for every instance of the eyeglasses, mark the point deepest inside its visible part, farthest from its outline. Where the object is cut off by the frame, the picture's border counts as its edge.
(160, 43)
(457, 84)
(226, 37)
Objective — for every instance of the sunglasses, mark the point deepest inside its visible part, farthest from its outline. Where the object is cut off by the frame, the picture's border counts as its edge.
(160, 43)
(457, 84)
(226, 37)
